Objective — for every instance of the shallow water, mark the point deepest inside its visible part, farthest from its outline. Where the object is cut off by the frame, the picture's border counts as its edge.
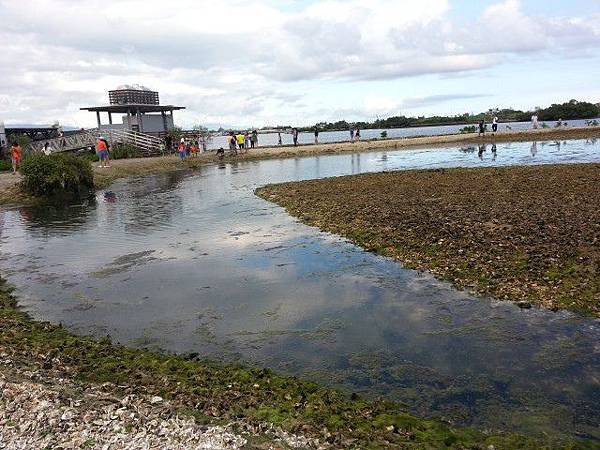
(271, 139)
(194, 262)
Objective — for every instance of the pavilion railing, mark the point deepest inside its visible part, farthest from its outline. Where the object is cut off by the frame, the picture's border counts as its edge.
(146, 144)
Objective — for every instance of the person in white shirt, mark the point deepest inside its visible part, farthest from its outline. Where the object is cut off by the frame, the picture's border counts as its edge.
(495, 124)
(534, 121)
(47, 150)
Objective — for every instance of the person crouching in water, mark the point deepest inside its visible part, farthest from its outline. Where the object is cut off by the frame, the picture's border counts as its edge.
(102, 151)
(16, 155)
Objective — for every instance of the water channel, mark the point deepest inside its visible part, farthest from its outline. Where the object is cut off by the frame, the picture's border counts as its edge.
(193, 261)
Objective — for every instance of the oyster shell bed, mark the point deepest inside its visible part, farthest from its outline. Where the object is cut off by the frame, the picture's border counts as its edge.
(38, 411)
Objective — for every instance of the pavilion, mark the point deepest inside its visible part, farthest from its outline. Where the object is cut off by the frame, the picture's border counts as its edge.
(140, 110)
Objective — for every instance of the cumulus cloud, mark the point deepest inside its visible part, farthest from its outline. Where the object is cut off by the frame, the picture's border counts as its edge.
(237, 61)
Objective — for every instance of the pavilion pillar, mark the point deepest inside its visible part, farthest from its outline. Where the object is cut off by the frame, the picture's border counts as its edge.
(98, 118)
(129, 120)
(164, 119)
(140, 121)
(110, 117)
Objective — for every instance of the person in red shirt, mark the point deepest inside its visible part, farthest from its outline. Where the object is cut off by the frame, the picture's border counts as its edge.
(16, 155)
(102, 151)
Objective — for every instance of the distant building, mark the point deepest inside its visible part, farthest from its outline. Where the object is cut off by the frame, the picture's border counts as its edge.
(140, 108)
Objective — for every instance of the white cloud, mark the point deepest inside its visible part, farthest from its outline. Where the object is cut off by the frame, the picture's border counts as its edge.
(235, 61)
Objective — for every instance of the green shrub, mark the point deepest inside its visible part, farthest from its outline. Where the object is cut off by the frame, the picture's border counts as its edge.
(5, 165)
(61, 175)
(383, 134)
(122, 151)
(92, 157)
(468, 129)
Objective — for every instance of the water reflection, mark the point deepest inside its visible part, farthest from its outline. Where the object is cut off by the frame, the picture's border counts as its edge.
(195, 262)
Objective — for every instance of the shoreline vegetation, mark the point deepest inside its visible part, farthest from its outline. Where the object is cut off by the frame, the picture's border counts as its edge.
(267, 408)
(10, 193)
(527, 233)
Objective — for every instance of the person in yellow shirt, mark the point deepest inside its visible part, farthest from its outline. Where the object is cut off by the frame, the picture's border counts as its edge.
(240, 140)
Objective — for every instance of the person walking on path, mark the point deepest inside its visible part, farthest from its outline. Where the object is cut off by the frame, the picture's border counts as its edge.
(16, 155)
(357, 134)
(247, 140)
(102, 151)
(254, 139)
(316, 135)
(295, 137)
(351, 134)
(482, 127)
(495, 124)
(279, 141)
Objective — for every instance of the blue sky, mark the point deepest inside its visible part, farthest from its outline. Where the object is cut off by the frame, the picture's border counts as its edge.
(265, 62)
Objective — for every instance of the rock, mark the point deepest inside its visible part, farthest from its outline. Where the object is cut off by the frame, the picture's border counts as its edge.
(156, 399)
(523, 304)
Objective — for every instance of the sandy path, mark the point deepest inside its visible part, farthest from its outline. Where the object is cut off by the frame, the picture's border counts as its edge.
(9, 191)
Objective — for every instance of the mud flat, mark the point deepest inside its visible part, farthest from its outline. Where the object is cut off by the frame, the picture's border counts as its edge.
(528, 234)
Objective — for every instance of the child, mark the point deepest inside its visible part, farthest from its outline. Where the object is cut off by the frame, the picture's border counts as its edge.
(182, 149)
(16, 154)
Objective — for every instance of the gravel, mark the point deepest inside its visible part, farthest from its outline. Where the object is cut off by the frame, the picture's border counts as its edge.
(39, 411)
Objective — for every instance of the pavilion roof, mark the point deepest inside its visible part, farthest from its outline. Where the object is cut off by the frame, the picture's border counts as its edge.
(143, 108)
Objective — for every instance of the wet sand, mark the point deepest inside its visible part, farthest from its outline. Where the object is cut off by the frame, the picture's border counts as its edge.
(528, 234)
(10, 193)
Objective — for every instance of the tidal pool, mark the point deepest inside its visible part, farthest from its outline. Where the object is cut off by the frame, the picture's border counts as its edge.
(193, 261)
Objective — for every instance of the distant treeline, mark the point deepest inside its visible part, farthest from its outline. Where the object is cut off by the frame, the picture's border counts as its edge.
(567, 111)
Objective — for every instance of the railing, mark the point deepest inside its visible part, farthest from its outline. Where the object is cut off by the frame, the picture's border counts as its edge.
(147, 144)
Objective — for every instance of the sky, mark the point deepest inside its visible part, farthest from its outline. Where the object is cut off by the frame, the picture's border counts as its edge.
(296, 62)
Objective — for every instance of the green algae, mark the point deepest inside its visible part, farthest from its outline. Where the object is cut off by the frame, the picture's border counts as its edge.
(207, 390)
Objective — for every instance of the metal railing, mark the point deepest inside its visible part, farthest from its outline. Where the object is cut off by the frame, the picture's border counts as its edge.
(147, 144)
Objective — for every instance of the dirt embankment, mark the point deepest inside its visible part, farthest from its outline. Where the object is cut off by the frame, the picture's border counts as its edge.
(530, 234)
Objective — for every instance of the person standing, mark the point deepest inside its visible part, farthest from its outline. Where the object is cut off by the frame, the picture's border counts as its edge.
(316, 134)
(295, 137)
(482, 127)
(534, 121)
(182, 149)
(47, 150)
(240, 141)
(16, 155)
(357, 134)
(247, 141)
(254, 139)
(102, 151)
(351, 134)
(279, 141)
(495, 124)
(232, 143)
